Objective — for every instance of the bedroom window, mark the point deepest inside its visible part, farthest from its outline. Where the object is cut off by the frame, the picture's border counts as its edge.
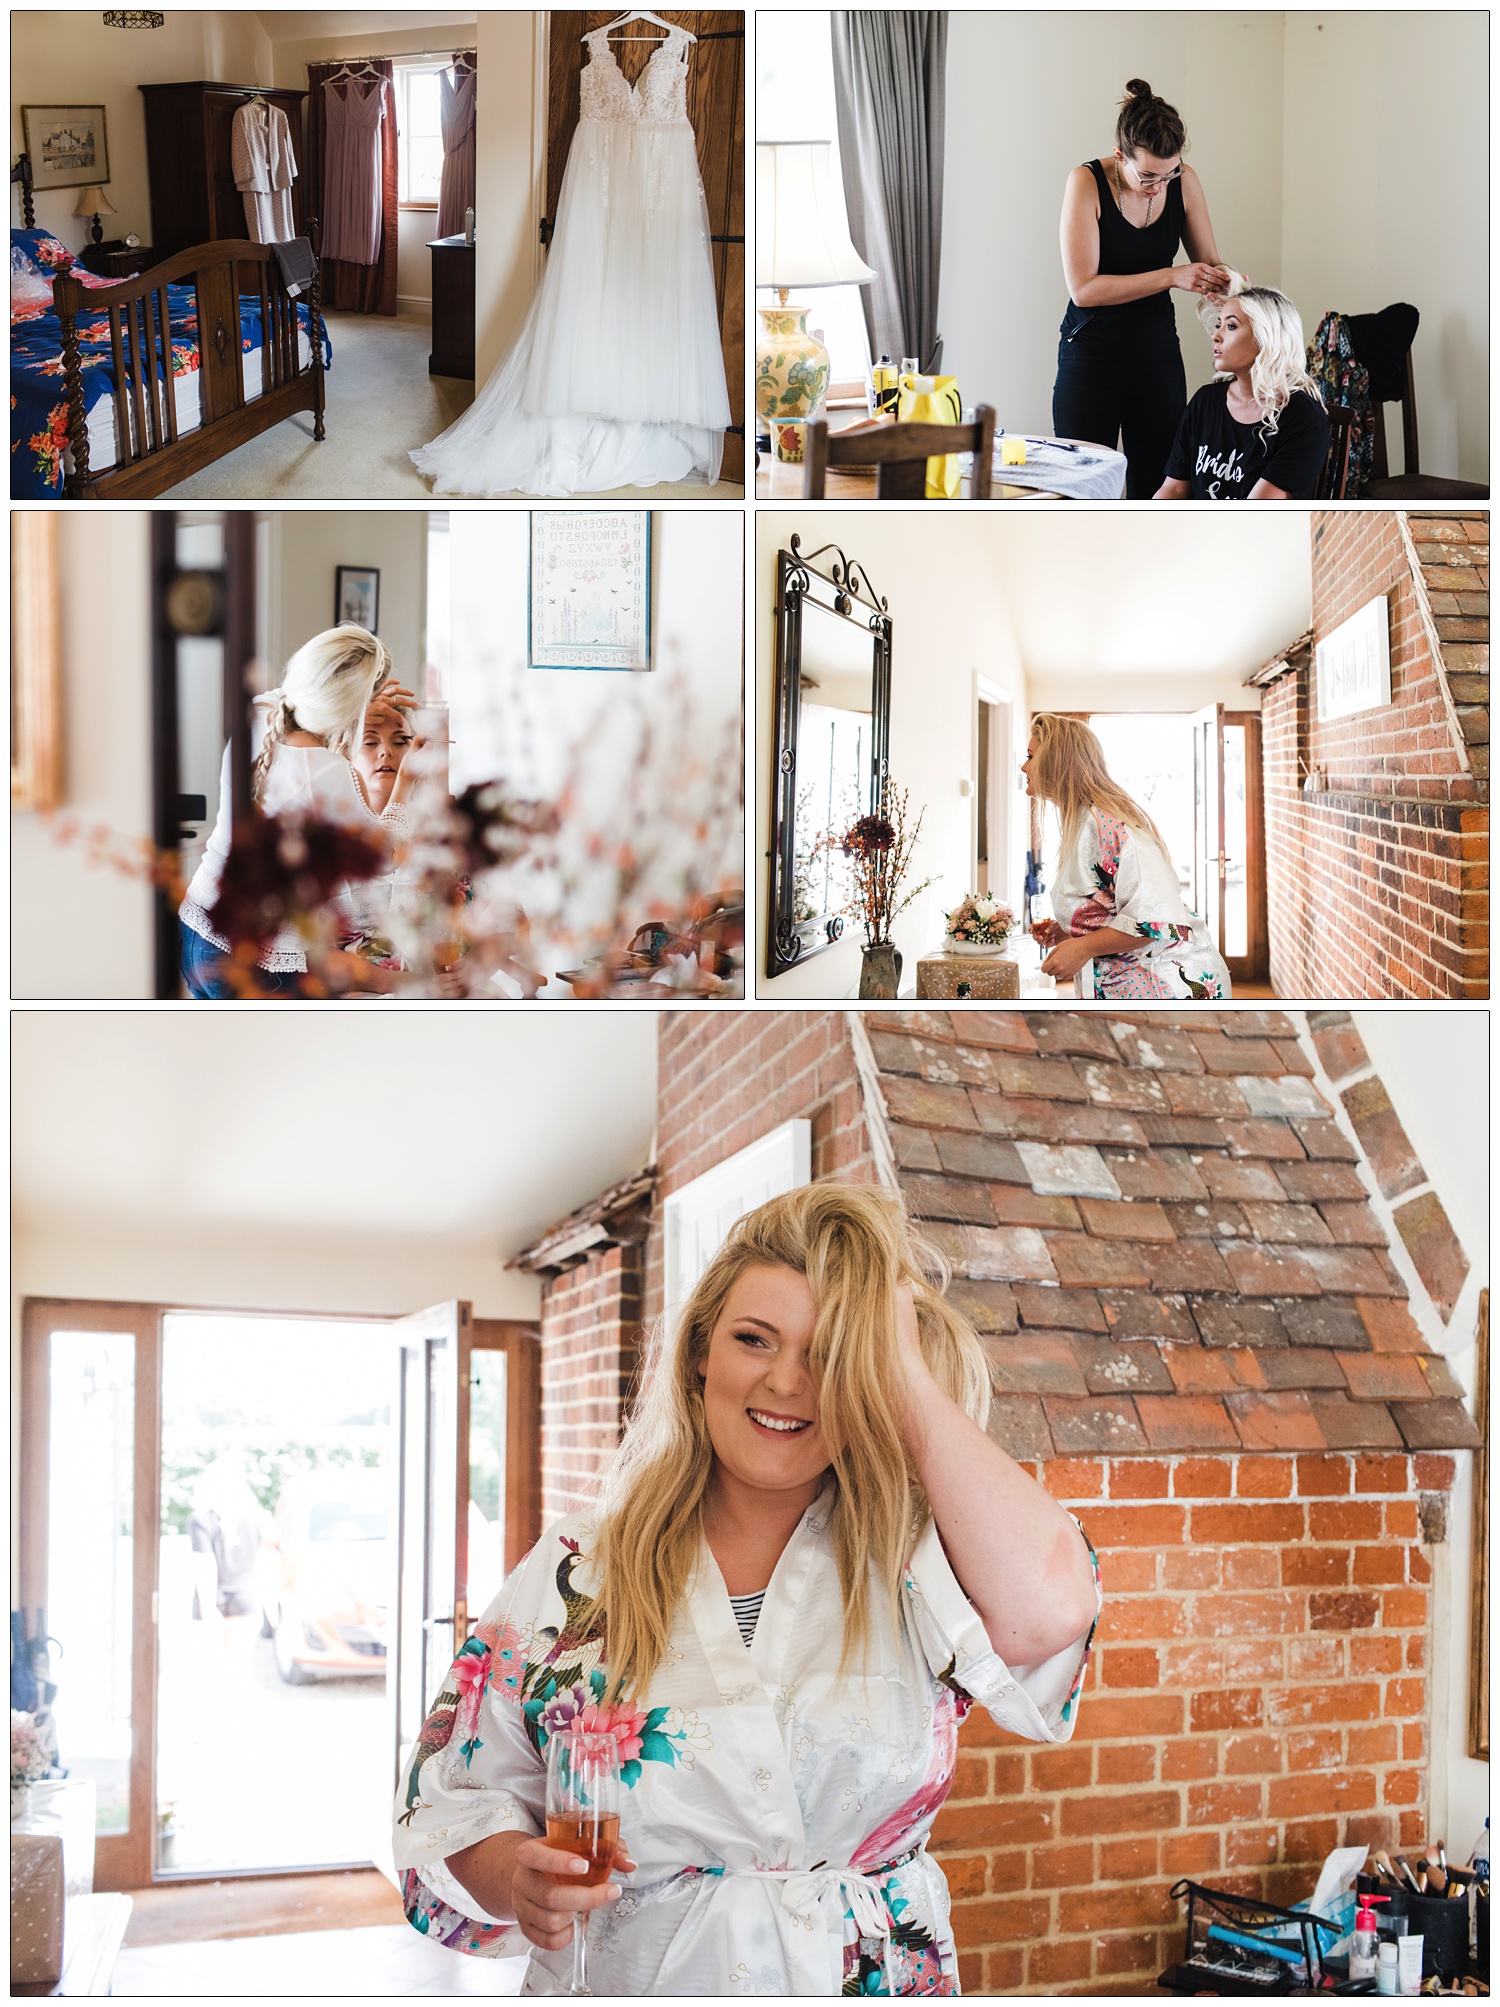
(794, 100)
(419, 131)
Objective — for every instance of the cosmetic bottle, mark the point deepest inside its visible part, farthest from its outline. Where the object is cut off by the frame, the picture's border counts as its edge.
(1366, 1925)
(1409, 1962)
(1387, 1979)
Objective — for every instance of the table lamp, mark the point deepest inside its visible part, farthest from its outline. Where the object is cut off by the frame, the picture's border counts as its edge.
(801, 239)
(94, 202)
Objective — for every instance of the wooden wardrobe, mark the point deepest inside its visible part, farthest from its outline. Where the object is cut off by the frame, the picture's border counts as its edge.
(193, 196)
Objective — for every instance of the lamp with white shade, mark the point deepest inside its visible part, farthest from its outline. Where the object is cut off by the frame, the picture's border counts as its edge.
(801, 239)
(94, 202)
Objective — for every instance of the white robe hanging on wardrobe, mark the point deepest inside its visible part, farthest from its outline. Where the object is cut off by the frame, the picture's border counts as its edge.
(264, 169)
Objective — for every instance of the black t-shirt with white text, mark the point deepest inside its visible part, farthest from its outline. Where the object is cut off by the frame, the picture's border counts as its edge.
(1221, 460)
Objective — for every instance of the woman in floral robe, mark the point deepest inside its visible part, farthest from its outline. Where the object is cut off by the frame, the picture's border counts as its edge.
(777, 1804)
(1121, 928)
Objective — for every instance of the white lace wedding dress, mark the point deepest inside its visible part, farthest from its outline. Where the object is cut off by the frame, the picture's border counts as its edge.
(617, 377)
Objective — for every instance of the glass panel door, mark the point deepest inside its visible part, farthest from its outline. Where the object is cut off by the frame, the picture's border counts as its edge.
(1236, 846)
(91, 1559)
(1208, 819)
(88, 1559)
(432, 1617)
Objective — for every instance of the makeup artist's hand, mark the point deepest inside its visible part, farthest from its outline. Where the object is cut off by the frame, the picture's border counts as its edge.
(395, 696)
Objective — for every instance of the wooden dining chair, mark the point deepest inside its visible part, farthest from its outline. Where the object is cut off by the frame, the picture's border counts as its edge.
(1333, 482)
(899, 454)
(1412, 485)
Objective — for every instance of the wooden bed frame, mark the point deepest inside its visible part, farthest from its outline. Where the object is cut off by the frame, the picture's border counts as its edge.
(157, 457)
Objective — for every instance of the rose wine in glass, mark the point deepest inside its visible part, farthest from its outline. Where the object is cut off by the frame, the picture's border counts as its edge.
(583, 1818)
(1041, 917)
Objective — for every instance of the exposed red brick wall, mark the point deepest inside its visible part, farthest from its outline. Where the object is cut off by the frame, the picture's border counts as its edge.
(1258, 1695)
(590, 1338)
(727, 1079)
(1379, 886)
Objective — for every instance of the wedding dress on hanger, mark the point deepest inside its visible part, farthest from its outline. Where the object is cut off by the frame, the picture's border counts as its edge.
(617, 377)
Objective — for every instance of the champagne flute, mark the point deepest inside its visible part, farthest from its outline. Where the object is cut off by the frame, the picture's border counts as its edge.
(583, 1817)
(1041, 918)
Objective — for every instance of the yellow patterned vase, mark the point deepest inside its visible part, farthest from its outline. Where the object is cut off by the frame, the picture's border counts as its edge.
(791, 376)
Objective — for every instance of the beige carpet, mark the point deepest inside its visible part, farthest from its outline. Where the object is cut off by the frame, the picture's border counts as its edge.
(381, 403)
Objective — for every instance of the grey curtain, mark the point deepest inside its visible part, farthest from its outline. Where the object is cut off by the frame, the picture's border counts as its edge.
(888, 87)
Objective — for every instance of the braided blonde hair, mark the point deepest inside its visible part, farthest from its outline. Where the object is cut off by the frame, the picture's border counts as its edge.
(326, 688)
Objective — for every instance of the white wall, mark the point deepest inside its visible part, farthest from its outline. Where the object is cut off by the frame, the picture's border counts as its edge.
(81, 930)
(949, 620)
(509, 177)
(1302, 127)
(1029, 96)
(72, 58)
(1404, 99)
(306, 549)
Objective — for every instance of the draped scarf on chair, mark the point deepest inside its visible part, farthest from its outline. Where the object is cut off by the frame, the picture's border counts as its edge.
(361, 289)
(460, 95)
(888, 93)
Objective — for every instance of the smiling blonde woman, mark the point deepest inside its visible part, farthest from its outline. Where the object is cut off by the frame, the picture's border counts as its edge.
(809, 1563)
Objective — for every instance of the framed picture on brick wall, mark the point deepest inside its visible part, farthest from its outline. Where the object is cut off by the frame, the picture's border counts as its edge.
(697, 1218)
(1353, 663)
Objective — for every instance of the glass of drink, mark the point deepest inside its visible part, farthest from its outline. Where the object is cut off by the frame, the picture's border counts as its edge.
(1041, 918)
(583, 1818)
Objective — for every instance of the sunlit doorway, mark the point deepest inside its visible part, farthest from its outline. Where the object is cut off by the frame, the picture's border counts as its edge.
(1198, 776)
(276, 1584)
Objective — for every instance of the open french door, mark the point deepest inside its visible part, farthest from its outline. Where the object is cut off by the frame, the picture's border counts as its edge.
(467, 1413)
(1229, 879)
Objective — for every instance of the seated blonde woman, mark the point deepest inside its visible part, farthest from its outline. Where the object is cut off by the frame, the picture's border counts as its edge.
(1121, 929)
(1258, 432)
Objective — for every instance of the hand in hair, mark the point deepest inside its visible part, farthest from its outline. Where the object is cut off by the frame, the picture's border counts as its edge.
(1200, 278)
(516, 1874)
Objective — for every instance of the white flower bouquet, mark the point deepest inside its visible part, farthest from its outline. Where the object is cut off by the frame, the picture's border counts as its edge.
(979, 925)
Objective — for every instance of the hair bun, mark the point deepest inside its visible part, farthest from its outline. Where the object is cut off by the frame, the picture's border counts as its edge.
(1138, 88)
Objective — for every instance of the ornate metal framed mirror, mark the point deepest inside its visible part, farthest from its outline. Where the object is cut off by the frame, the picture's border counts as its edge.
(831, 742)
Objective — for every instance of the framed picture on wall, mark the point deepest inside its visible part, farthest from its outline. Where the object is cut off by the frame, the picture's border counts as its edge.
(356, 596)
(67, 145)
(589, 591)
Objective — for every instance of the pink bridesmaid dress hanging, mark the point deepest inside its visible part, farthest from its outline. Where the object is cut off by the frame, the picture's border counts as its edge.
(457, 193)
(351, 190)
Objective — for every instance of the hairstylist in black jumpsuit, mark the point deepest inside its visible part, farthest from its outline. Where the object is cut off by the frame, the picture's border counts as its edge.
(1119, 368)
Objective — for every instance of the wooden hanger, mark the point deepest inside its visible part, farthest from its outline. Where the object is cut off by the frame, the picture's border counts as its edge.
(644, 14)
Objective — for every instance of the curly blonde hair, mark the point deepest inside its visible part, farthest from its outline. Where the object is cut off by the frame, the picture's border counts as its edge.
(856, 1249)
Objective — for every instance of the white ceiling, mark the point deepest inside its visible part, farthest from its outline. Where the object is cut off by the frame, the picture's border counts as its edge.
(1167, 591)
(316, 24)
(456, 1129)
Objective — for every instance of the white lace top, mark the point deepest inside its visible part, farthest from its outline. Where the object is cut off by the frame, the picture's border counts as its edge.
(659, 95)
(304, 780)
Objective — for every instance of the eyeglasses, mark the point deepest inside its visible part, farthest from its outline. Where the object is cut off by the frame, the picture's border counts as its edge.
(1157, 180)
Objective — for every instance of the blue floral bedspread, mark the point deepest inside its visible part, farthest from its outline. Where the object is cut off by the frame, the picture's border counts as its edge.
(38, 404)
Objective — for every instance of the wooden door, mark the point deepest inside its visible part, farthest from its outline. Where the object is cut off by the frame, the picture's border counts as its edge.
(1229, 876)
(91, 1392)
(716, 107)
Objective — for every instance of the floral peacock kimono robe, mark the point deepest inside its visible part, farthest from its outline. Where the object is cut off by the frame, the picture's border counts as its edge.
(778, 1813)
(1120, 880)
